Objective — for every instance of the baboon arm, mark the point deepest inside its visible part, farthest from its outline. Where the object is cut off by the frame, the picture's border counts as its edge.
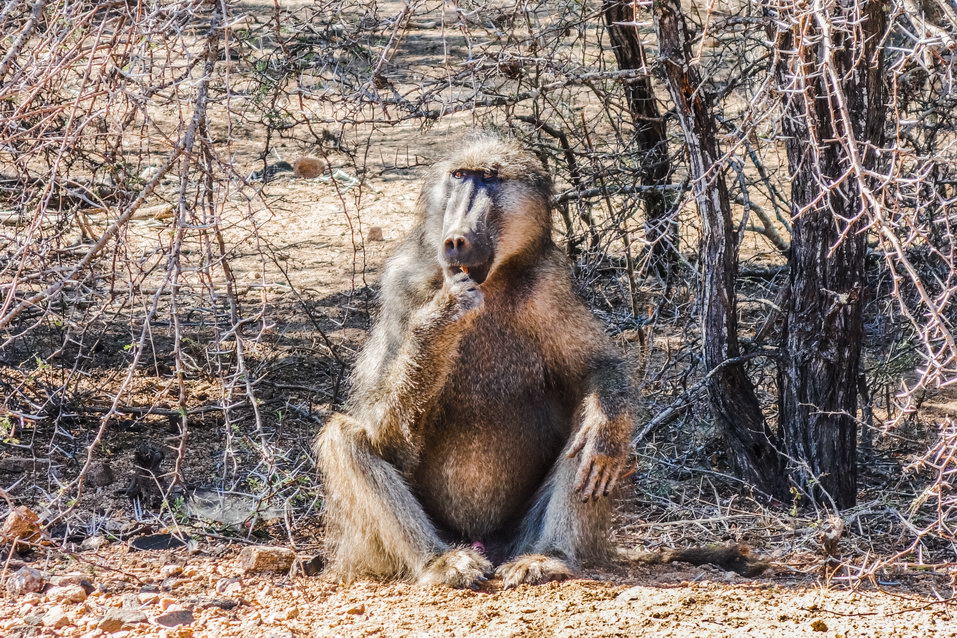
(402, 371)
(604, 429)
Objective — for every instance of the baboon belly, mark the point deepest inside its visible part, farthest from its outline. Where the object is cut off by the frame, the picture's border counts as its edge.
(494, 436)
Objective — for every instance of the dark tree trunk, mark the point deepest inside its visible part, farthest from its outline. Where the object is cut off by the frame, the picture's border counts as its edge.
(819, 374)
(661, 226)
(750, 441)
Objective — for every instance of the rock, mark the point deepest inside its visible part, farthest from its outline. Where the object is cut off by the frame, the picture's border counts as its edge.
(116, 619)
(156, 542)
(170, 584)
(632, 593)
(819, 625)
(100, 475)
(374, 234)
(149, 173)
(26, 580)
(358, 609)
(67, 594)
(21, 464)
(228, 586)
(147, 598)
(207, 602)
(56, 618)
(256, 559)
(309, 567)
(168, 571)
(21, 526)
(166, 603)
(74, 578)
(34, 620)
(175, 618)
(309, 167)
(94, 543)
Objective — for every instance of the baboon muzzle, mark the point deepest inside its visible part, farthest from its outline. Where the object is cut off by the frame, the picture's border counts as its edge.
(466, 246)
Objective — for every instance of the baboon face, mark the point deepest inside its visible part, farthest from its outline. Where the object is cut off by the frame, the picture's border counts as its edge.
(486, 205)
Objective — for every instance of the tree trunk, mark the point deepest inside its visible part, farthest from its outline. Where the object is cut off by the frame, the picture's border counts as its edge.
(828, 124)
(750, 441)
(661, 226)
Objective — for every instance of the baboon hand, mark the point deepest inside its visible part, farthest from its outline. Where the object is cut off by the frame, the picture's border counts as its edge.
(599, 470)
(465, 296)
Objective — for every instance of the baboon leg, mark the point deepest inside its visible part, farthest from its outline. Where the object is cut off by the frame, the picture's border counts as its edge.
(376, 525)
(560, 530)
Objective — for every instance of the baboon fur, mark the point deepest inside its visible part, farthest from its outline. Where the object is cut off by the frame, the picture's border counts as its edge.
(488, 420)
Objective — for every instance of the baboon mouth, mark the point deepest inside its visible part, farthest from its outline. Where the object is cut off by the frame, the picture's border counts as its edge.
(476, 272)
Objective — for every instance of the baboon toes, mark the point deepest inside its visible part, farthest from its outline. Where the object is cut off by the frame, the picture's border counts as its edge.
(460, 567)
(532, 569)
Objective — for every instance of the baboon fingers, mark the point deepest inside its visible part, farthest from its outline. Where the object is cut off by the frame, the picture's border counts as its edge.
(577, 446)
(591, 489)
(597, 478)
(583, 477)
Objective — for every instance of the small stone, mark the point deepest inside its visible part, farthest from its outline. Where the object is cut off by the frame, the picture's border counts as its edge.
(175, 618)
(228, 585)
(256, 559)
(149, 173)
(375, 234)
(309, 567)
(94, 543)
(117, 619)
(67, 594)
(56, 618)
(26, 580)
(21, 526)
(309, 167)
(632, 593)
(34, 620)
(166, 603)
(74, 578)
(147, 598)
(170, 584)
(818, 625)
(100, 475)
(358, 609)
(206, 602)
(168, 571)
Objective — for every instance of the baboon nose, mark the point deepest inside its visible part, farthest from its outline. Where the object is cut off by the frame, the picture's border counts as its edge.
(457, 247)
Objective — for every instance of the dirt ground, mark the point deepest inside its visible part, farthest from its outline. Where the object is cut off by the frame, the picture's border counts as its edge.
(207, 586)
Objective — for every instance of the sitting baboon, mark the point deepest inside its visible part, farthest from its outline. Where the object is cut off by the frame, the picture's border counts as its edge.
(489, 416)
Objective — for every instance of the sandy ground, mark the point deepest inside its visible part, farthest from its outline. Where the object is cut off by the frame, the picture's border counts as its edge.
(207, 585)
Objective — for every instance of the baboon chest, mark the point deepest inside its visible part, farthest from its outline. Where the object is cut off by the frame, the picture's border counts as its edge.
(499, 424)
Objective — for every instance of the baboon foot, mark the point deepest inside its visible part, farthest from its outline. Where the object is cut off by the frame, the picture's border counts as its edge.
(532, 569)
(460, 567)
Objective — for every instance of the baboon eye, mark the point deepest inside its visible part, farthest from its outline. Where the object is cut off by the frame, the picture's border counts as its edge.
(489, 175)
(458, 173)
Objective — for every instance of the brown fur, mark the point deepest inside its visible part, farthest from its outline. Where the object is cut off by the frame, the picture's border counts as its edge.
(492, 415)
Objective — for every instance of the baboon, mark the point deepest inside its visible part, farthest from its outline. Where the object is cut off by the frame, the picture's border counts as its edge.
(488, 420)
